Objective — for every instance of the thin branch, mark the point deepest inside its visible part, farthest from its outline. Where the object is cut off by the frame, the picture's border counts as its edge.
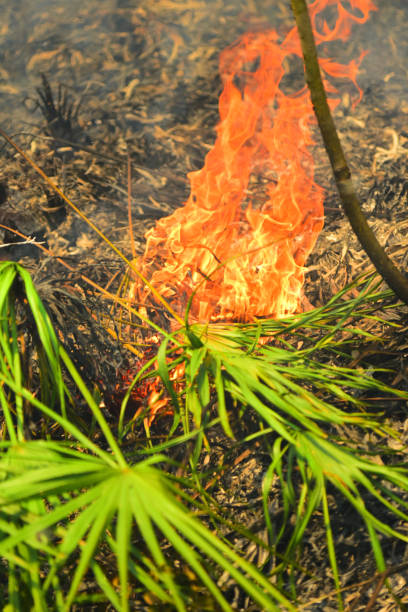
(350, 202)
(29, 240)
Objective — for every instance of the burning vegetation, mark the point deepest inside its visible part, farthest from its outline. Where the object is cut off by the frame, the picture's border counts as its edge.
(241, 254)
(248, 456)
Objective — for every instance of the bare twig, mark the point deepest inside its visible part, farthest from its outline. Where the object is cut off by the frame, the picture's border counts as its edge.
(28, 241)
(350, 202)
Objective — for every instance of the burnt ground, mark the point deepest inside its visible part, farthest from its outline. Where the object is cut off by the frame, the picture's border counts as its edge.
(140, 77)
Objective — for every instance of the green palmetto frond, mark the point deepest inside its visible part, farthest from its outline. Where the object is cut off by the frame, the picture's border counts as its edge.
(67, 506)
(300, 386)
(63, 502)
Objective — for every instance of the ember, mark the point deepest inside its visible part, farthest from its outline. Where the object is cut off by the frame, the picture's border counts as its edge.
(240, 254)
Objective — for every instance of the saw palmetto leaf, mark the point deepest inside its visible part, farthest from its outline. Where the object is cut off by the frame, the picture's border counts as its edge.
(138, 499)
(68, 506)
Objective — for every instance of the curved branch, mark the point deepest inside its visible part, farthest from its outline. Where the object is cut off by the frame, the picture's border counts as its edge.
(350, 202)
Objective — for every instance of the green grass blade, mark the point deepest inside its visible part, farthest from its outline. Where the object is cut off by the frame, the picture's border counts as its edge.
(330, 547)
(222, 409)
(164, 373)
(123, 535)
(94, 407)
(105, 586)
(106, 506)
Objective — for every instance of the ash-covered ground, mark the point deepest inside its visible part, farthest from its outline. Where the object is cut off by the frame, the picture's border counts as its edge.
(141, 78)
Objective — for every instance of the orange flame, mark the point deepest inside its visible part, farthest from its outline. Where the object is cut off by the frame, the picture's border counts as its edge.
(241, 251)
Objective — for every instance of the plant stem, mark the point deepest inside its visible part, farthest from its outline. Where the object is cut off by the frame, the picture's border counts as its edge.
(349, 200)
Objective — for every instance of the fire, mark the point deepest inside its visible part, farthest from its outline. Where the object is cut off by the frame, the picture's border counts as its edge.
(239, 244)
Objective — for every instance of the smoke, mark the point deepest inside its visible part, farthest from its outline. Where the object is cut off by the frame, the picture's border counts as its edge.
(99, 46)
